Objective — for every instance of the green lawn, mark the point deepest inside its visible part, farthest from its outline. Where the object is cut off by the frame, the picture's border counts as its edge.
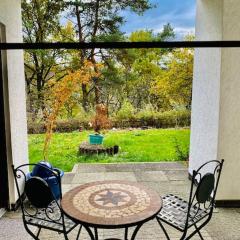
(152, 145)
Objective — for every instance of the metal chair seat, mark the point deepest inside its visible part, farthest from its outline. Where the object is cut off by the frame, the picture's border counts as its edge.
(197, 212)
(175, 210)
(39, 202)
(51, 219)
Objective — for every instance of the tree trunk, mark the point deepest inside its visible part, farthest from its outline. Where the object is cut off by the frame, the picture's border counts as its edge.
(95, 28)
(97, 92)
(81, 58)
(85, 98)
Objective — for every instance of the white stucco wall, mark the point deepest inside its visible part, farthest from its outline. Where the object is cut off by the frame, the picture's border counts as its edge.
(216, 98)
(206, 85)
(10, 16)
(229, 134)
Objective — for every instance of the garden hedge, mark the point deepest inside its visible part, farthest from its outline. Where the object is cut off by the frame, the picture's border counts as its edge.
(162, 120)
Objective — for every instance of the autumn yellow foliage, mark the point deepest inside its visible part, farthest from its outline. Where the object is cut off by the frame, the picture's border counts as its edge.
(174, 82)
(61, 91)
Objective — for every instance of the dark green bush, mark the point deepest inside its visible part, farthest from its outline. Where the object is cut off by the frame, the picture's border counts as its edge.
(61, 126)
(36, 128)
(173, 118)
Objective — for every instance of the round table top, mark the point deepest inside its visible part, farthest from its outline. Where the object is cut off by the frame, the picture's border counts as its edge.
(110, 204)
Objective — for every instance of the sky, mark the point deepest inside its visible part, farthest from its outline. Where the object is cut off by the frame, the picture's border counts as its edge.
(179, 13)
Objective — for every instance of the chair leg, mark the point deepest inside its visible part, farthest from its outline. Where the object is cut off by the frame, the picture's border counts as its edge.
(199, 233)
(194, 232)
(136, 231)
(65, 236)
(79, 231)
(198, 229)
(39, 232)
(30, 232)
(164, 230)
(126, 234)
(96, 233)
(89, 232)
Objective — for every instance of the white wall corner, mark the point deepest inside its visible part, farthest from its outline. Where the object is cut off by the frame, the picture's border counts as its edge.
(11, 17)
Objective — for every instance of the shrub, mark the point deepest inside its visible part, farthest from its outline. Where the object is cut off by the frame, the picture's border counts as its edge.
(101, 121)
(182, 152)
(68, 125)
(148, 117)
(173, 118)
(61, 126)
(34, 128)
(85, 116)
(148, 113)
(126, 112)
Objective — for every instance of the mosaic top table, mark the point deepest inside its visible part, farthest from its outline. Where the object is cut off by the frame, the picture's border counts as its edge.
(111, 205)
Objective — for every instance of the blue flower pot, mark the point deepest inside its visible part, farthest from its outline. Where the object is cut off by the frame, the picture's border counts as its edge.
(42, 172)
(48, 177)
(96, 139)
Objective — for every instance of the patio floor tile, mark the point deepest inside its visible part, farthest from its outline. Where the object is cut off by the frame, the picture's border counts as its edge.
(151, 176)
(162, 177)
(128, 176)
(87, 177)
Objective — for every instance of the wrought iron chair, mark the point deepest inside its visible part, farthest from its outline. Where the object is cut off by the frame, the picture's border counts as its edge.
(38, 203)
(185, 216)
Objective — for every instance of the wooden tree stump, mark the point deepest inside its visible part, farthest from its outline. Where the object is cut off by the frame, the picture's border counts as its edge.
(90, 149)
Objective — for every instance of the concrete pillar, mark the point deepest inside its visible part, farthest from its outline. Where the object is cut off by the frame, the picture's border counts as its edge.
(14, 86)
(215, 130)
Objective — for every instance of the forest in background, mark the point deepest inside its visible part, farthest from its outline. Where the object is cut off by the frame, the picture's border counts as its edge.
(137, 86)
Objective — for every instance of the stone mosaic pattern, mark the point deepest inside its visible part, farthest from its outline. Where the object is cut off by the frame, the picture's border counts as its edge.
(111, 203)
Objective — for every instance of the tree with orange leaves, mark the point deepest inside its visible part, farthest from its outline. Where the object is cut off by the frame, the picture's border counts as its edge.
(61, 91)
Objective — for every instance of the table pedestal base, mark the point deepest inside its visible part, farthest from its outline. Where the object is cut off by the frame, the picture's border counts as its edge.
(95, 235)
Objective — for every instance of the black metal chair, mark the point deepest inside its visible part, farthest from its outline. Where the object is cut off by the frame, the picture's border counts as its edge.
(193, 215)
(38, 203)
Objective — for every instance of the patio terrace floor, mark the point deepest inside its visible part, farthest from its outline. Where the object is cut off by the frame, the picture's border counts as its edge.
(168, 177)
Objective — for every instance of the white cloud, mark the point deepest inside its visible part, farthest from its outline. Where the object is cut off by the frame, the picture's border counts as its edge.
(181, 21)
(184, 31)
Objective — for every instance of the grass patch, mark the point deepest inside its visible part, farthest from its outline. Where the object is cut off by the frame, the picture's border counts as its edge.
(154, 145)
